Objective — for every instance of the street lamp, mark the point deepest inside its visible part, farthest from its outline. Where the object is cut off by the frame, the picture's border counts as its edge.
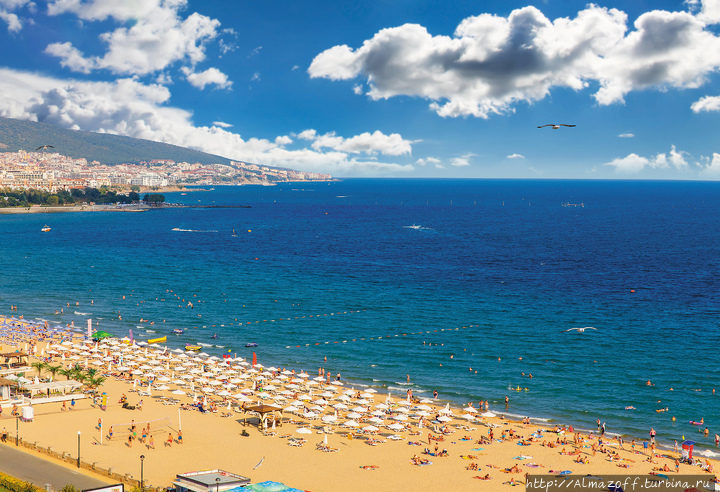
(78, 449)
(142, 471)
(17, 430)
(217, 484)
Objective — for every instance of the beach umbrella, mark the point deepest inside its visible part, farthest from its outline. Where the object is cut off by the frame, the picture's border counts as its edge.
(375, 420)
(351, 423)
(329, 418)
(401, 418)
(178, 392)
(468, 416)
(370, 428)
(291, 409)
(470, 409)
(488, 414)
(303, 430)
(396, 427)
(444, 418)
(99, 335)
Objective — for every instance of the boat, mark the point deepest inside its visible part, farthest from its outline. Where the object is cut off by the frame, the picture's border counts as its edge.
(178, 331)
(158, 340)
(214, 336)
(251, 344)
(234, 234)
(183, 193)
(414, 226)
(46, 228)
(176, 229)
(193, 348)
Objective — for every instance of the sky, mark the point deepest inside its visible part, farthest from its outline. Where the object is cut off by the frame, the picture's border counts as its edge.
(383, 88)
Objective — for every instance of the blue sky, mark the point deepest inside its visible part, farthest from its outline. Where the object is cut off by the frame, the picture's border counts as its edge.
(380, 87)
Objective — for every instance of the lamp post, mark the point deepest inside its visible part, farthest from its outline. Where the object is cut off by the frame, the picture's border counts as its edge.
(142, 471)
(17, 430)
(217, 484)
(78, 463)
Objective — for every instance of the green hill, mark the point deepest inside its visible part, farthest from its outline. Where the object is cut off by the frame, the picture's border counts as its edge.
(102, 147)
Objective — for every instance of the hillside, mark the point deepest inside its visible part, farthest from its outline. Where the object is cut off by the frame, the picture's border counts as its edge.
(102, 147)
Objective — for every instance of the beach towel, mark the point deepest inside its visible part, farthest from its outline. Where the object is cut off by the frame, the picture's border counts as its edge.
(477, 449)
(522, 458)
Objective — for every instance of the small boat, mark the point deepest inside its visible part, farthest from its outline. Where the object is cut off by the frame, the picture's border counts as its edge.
(178, 331)
(414, 226)
(234, 234)
(193, 348)
(158, 340)
(46, 228)
(176, 229)
(214, 336)
(183, 193)
(251, 344)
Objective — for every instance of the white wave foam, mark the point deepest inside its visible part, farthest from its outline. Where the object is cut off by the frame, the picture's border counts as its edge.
(220, 346)
(82, 314)
(150, 331)
(176, 229)
(205, 344)
(707, 452)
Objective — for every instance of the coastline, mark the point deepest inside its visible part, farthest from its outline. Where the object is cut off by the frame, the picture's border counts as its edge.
(211, 441)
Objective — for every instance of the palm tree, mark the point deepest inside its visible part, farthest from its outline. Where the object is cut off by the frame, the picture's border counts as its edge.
(94, 382)
(39, 366)
(53, 370)
(68, 373)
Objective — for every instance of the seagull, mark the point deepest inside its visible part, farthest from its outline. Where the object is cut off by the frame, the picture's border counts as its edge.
(580, 330)
(555, 127)
(44, 147)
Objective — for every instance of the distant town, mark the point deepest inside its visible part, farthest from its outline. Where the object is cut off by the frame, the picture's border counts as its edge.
(53, 172)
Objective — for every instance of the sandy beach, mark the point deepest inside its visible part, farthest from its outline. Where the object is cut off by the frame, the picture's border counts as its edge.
(211, 440)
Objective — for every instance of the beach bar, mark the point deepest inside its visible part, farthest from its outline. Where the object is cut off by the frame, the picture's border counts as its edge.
(687, 449)
(209, 481)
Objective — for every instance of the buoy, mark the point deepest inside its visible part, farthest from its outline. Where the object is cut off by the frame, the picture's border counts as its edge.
(632, 291)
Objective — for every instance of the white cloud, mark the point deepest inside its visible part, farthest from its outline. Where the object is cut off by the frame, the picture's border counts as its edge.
(428, 160)
(515, 156)
(222, 124)
(255, 76)
(367, 143)
(491, 62)
(210, 76)
(707, 103)
(634, 163)
(712, 169)
(626, 135)
(156, 38)
(128, 107)
(254, 51)
(11, 19)
(461, 161)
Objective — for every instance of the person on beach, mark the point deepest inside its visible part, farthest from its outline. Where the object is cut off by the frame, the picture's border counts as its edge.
(179, 438)
(598, 424)
(602, 430)
(152, 443)
(110, 433)
(652, 435)
(4, 435)
(72, 404)
(169, 439)
(435, 394)
(130, 439)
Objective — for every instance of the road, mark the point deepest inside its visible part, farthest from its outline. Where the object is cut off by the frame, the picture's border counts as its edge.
(40, 472)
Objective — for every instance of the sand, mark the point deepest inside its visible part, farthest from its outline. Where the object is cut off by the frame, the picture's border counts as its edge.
(211, 441)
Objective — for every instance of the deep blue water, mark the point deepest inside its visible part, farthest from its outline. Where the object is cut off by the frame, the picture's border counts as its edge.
(497, 270)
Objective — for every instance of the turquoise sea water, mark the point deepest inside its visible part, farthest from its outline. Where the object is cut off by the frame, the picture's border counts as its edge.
(494, 273)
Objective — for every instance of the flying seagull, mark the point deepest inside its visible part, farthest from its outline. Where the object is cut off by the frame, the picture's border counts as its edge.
(555, 127)
(44, 147)
(580, 330)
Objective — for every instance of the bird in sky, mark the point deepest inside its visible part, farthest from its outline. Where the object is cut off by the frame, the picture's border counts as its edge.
(44, 147)
(580, 330)
(554, 126)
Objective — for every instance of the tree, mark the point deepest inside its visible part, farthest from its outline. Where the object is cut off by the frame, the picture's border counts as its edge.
(53, 200)
(39, 367)
(134, 196)
(53, 370)
(94, 382)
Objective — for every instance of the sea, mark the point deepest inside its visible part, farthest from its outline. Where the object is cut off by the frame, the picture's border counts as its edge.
(466, 287)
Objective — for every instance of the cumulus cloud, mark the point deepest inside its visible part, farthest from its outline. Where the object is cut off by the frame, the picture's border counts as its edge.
(462, 161)
(707, 103)
(11, 19)
(210, 76)
(712, 169)
(222, 124)
(365, 143)
(626, 135)
(634, 163)
(491, 63)
(427, 160)
(131, 108)
(515, 156)
(153, 35)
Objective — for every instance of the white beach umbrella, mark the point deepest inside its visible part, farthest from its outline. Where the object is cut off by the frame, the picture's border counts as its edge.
(370, 428)
(444, 418)
(303, 430)
(375, 420)
(470, 409)
(329, 418)
(396, 427)
(351, 423)
(291, 409)
(401, 418)
(488, 414)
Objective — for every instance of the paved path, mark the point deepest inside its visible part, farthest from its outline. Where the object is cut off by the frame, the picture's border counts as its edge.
(40, 472)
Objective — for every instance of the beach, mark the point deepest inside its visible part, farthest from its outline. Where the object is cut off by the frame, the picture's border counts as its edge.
(211, 441)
